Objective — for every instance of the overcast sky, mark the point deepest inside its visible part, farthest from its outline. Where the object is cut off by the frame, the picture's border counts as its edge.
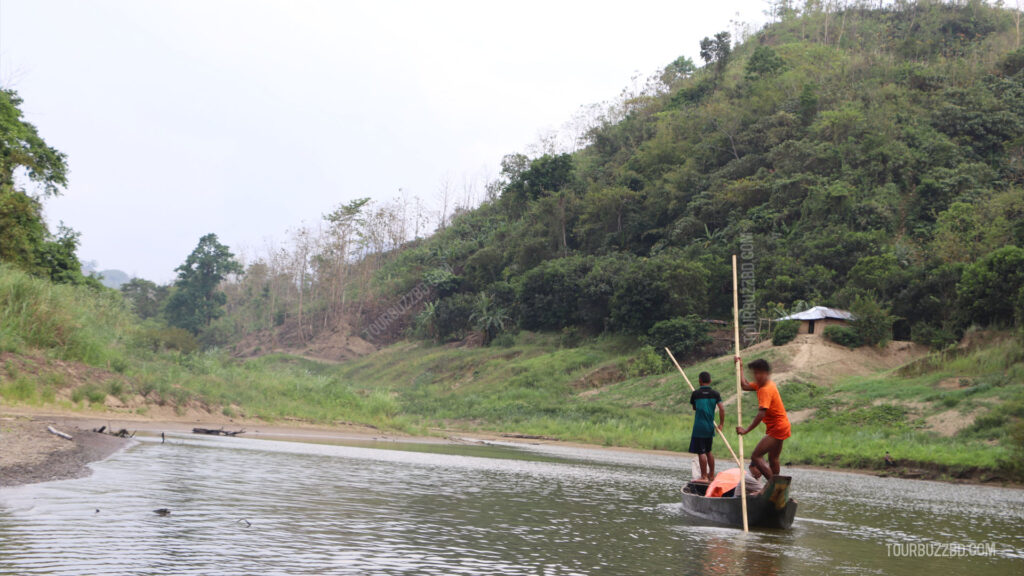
(247, 118)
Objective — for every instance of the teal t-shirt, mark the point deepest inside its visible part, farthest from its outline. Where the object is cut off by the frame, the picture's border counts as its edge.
(705, 401)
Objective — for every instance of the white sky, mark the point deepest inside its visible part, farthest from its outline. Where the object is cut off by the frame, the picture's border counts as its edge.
(246, 118)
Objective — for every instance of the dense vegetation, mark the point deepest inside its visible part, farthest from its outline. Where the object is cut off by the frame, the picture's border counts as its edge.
(860, 157)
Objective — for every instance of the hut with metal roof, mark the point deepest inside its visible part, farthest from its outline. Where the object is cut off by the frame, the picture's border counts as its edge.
(814, 320)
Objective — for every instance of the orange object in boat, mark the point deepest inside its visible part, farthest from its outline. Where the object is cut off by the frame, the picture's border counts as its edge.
(724, 481)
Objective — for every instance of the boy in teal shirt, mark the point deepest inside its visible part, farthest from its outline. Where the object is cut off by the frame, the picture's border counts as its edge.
(704, 401)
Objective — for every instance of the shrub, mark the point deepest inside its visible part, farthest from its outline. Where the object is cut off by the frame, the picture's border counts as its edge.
(216, 335)
(763, 62)
(118, 365)
(990, 289)
(785, 332)
(158, 338)
(116, 389)
(571, 337)
(647, 362)
(844, 336)
(91, 392)
(504, 340)
(1012, 63)
(19, 390)
(937, 337)
(872, 323)
(451, 319)
(682, 335)
(1014, 465)
(882, 415)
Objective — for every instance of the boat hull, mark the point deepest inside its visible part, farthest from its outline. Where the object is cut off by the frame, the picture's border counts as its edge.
(770, 508)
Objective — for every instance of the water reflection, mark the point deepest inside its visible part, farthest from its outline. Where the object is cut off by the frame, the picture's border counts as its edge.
(243, 506)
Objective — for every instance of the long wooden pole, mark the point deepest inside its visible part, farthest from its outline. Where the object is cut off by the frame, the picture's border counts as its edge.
(721, 432)
(739, 385)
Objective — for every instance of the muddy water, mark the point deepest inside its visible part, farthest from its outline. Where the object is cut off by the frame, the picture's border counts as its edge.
(244, 506)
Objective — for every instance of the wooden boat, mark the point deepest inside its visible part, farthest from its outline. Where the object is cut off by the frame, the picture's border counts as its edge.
(770, 508)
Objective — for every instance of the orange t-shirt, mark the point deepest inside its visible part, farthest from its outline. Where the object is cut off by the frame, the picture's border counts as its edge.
(776, 422)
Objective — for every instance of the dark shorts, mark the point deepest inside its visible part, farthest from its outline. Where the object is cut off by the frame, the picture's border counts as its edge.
(700, 445)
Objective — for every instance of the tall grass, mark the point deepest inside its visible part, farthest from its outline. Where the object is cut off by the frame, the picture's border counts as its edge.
(72, 323)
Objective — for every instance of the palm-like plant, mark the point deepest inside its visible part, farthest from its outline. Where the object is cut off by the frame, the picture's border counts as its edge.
(711, 236)
(488, 317)
(425, 320)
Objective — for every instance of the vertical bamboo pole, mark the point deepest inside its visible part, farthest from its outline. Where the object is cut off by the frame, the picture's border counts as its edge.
(739, 387)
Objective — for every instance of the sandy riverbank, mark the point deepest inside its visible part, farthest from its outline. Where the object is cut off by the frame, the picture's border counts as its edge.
(29, 453)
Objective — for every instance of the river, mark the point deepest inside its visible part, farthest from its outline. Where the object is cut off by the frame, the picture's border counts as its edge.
(262, 507)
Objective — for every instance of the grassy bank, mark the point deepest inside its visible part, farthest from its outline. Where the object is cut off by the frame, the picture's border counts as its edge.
(535, 387)
(956, 414)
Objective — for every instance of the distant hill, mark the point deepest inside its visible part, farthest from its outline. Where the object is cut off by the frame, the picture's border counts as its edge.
(113, 278)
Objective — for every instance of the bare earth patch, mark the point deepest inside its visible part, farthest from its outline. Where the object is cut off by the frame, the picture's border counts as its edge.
(814, 359)
(599, 378)
(954, 383)
(950, 422)
(798, 416)
(335, 345)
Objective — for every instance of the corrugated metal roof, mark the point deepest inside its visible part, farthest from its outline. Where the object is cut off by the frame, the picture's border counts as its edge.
(819, 313)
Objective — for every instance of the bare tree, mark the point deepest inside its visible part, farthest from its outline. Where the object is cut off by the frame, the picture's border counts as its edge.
(444, 200)
(303, 243)
(345, 225)
(1016, 21)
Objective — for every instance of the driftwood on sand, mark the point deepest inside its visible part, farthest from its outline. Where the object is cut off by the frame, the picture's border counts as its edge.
(527, 437)
(56, 432)
(216, 432)
(122, 433)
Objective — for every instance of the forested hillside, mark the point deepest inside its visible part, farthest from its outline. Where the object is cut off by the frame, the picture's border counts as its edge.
(861, 157)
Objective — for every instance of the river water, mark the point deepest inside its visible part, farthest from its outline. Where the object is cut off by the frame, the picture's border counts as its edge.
(260, 507)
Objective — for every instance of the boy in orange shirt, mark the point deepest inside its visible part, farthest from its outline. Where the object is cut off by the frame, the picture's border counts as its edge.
(772, 412)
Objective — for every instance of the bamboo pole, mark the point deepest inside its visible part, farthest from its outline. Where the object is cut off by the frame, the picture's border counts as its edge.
(721, 432)
(739, 385)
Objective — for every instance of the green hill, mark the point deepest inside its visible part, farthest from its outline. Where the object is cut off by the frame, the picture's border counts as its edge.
(870, 159)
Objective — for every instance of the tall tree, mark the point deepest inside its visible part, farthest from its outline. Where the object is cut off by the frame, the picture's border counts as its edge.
(25, 241)
(680, 69)
(717, 50)
(346, 222)
(57, 258)
(145, 296)
(197, 299)
(22, 229)
(22, 147)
